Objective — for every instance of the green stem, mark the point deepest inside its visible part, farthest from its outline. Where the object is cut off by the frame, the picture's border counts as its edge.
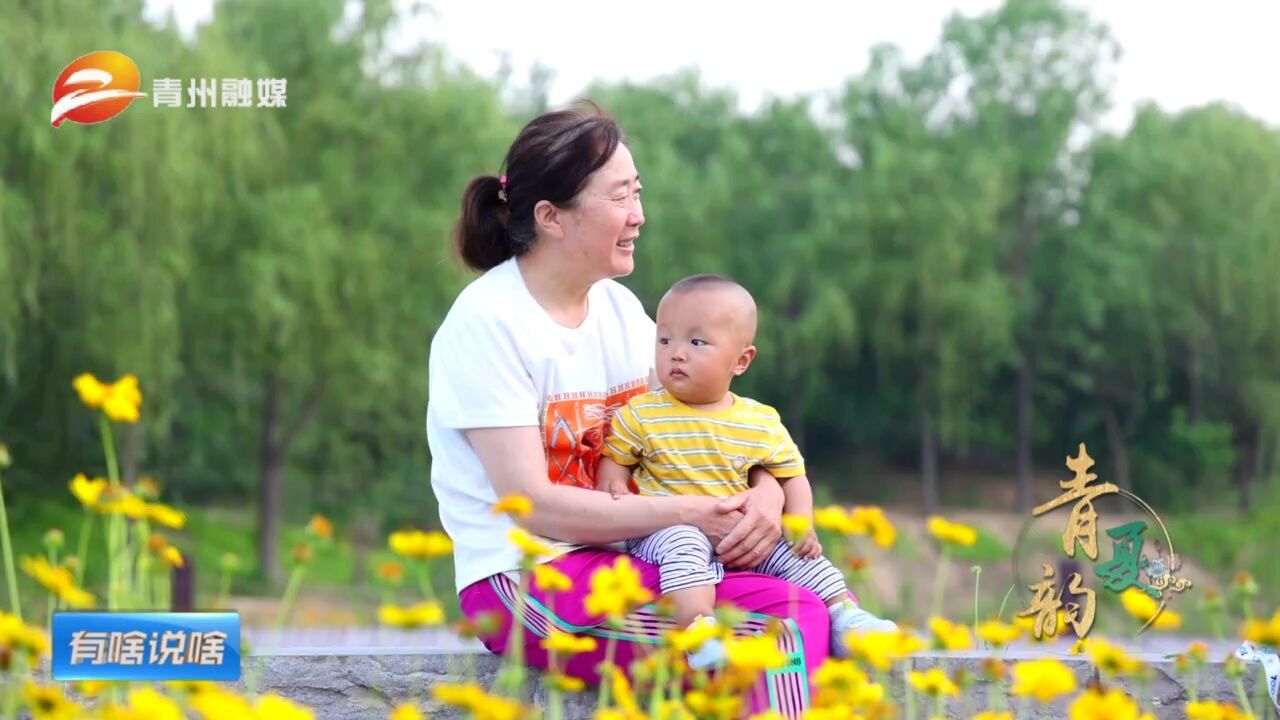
(1007, 593)
(53, 599)
(940, 705)
(606, 683)
(424, 579)
(82, 559)
(977, 581)
(10, 576)
(510, 678)
(224, 589)
(290, 593)
(1242, 696)
(1195, 684)
(941, 580)
(659, 686)
(14, 687)
(109, 446)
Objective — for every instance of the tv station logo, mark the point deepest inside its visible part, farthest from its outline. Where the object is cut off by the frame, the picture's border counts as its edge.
(159, 646)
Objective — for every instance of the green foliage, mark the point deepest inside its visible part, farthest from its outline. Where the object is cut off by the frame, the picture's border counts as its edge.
(275, 276)
(988, 549)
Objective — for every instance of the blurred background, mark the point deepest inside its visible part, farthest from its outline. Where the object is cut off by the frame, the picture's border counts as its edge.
(979, 233)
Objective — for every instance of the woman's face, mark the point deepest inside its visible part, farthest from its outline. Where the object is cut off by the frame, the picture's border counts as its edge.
(601, 230)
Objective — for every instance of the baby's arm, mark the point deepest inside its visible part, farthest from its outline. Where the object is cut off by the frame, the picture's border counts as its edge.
(613, 478)
(798, 500)
(622, 451)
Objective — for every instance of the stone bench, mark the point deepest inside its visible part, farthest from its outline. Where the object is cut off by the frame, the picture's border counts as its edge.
(354, 683)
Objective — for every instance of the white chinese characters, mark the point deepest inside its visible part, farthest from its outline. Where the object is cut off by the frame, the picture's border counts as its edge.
(215, 92)
(171, 647)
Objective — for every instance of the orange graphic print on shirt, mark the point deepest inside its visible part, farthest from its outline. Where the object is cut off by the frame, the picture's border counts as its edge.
(573, 427)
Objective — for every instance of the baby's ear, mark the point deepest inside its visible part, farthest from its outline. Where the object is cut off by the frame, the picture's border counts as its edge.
(744, 360)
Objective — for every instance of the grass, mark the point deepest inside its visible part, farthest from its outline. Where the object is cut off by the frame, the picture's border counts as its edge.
(209, 534)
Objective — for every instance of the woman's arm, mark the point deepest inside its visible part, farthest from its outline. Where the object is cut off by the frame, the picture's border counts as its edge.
(515, 462)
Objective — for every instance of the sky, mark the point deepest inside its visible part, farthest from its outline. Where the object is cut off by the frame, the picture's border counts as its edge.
(1179, 53)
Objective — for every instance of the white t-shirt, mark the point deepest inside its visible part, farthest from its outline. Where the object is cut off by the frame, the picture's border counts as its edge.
(498, 360)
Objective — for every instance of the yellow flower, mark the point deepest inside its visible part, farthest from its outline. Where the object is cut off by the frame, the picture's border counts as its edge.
(48, 703)
(90, 688)
(933, 683)
(218, 704)
(420, 545)
(531, 546)
(123, 400)
(53, 539)
(949, 635)
(871, 519)
(228, 563)
(767, 715)
(841, 683)
(392, 572)
(566, 644)
(757, 653)
(516, 505)
(834, 518)
(952, 533)
(126, 504)
(881, 649)
(720, 707)
(172, 557)
(1114, 704)
(167, 516)
(424, 613)
(460, 695)
(993, 715)
(549, 579)
(1262, 632)
(274, 707)
(997, 633)
(405, 711)
(320, 527)
(87, 491)
(91, 390)
(1211, 710)
(564, 683)
(148, 704)
(692, 637)
(1142, 606)
(5, 459)
(302, 553)
(1111, 659)
(20, 636)
(148, 488)
(615, 589)
(57, 580)
(795, 527)
(1043, 679)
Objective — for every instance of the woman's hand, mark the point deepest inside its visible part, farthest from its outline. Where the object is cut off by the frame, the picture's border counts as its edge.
(760, 528)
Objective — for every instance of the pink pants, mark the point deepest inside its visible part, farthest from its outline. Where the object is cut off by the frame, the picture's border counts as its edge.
(805, 640)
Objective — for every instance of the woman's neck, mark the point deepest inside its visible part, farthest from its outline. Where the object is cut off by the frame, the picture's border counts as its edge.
(556, 286)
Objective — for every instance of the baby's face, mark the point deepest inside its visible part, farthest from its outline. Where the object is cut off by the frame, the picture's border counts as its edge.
(701, 344)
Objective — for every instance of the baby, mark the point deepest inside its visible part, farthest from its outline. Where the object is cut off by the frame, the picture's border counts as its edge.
(694, 436)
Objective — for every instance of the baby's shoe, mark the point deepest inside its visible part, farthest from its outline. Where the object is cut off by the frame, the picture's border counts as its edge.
(710, 654)
(847, 617)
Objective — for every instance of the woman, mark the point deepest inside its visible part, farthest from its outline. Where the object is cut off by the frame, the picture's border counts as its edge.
(524, 371)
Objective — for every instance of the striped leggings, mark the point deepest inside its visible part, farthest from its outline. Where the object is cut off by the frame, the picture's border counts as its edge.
(685, 559)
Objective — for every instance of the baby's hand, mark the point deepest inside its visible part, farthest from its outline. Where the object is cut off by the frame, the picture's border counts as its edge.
(809, 547)
(617, 487)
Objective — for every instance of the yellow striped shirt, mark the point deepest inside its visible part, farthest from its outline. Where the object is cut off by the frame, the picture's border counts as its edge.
(685, 451)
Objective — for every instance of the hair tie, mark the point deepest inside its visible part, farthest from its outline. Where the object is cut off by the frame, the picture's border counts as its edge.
(502, 193)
